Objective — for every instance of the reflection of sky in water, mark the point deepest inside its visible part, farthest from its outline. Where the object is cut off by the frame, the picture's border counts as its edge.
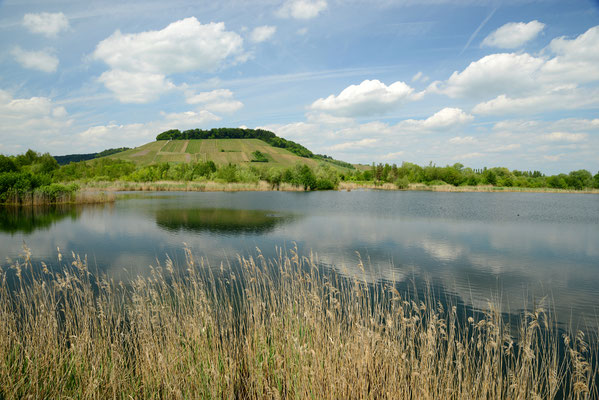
(473, 244)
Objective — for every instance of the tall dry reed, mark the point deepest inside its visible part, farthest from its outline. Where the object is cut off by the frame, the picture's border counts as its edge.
(268, 328)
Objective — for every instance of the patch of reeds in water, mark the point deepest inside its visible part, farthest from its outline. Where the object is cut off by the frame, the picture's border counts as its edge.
(268, 328)
(39, 198)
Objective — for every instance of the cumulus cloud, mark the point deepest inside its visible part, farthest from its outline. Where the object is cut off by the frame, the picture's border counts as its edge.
(48, 24)
(513, 34)
(183, 46)
(262, 33)
(493, 74)
(576, 60)
(302, 9)
(522, 83)
(443, 119)
(219, 100)
(135, 87)
(43, 60)
(30, 120)
(370, 97)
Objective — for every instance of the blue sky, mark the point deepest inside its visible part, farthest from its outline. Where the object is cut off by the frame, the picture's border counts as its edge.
(485, 83)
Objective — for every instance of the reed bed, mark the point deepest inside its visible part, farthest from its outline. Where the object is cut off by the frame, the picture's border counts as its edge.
(37, 198)
(268, 328)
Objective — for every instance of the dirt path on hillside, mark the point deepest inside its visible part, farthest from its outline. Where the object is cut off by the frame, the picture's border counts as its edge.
(184, 148)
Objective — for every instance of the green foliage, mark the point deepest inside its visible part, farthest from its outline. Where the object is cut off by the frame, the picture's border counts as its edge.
(259, 156)
(7, 164)
(402, 183)
(227, 173)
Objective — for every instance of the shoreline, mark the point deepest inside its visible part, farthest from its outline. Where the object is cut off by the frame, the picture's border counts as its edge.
(263, 186)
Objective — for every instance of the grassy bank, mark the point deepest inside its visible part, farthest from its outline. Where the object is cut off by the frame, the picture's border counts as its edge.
(278, 328)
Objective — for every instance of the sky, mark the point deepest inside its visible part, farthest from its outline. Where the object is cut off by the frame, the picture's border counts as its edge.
(511, 83)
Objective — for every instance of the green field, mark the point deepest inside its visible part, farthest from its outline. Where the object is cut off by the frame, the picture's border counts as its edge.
(221, 151)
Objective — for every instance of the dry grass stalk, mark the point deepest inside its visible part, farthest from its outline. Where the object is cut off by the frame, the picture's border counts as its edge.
(277, 328)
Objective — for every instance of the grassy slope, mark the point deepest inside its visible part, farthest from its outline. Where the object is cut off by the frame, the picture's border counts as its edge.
(236, 151)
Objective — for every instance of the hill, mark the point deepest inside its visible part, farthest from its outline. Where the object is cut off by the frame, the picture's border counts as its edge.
(220, 151)
(226, 146)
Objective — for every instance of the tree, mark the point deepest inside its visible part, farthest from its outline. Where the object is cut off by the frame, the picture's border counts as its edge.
(7, 164)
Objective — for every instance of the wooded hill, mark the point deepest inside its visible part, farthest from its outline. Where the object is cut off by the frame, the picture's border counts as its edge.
(226, 146)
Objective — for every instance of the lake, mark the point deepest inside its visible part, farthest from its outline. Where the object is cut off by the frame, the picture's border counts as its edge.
(514, 248)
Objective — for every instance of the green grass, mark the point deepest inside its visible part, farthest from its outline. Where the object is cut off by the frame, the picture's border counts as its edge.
(174, 146)
(221, 151)
(269, 328)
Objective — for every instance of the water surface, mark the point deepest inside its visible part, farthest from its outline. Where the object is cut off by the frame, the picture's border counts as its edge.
(512, 247)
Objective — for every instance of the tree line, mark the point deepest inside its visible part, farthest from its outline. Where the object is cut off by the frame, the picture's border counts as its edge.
(459, 175)
(31, 174)
(30, 178)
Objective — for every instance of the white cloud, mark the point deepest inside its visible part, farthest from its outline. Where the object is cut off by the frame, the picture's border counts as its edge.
(357, 145)
(48, 24)
(513, 34)
(132, 135)
(42, 60)
(565, 137)
(522, 83)
(35, 121)
(183, 46)
(302, 9)
(443, 119)
(219, 100)
(262, 33)
(368, 98)
(491, 75)
(576, 60)
(562, 98)
(135, 87)
(462, 140)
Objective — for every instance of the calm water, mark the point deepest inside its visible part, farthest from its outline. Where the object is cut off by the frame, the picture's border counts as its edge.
(476, 246)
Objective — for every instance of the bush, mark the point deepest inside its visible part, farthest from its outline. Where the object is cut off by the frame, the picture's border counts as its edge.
(402, 183)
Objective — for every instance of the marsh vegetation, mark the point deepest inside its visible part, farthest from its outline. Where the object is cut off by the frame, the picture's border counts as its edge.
(283, 327)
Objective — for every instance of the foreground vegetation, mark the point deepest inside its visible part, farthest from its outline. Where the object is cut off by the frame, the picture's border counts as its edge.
(34, 178)
(278, 328)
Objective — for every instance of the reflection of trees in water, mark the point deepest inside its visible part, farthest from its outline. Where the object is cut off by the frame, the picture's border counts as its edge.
(31, 218)
(220, 220)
